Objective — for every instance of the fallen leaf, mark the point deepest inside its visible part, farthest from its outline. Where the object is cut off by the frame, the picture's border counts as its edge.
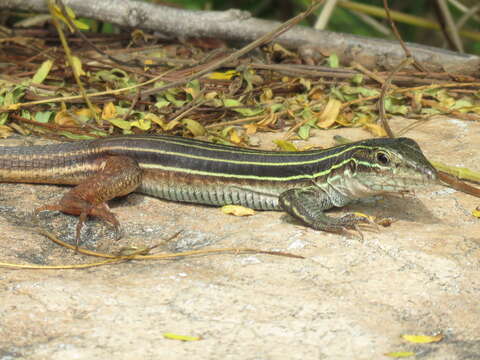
(330, 113)
(227, 75)
(285, 145)
(77, 65)
(476, 213)
(375, 129)
(234, 137)
(237, 210)
(109, 111)
(172, 336)
(194, 127)
(42, 72)
(65, 117)
(422, 339)
(333, 61)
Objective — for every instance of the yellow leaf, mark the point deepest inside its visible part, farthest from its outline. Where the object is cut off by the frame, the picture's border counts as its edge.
(83, 112)
(5, 131)
(194, 127)
(159, 120)
(227, 75)
(148, 62)
(65, 117)
(120, 123)
(42, 72)
(143, 124)
(172, 336)
(13, 107)
(235, 138)
(250, 129)
(237, 210)
(375, 129)
(476, 213)
(109, 111)
(171, 124)
(329, 115)
(422, 339)
(77, 65)
(400, 354)
(285, 145)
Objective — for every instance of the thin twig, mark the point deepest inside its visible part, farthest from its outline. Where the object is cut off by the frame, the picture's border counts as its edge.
(89, 43)
(68, 54)
(399, 38)
(381, 101)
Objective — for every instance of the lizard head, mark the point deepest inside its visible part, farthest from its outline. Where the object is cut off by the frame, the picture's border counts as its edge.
(391, 165)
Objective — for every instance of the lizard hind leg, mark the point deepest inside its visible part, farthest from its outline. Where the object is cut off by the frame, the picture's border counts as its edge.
(117, 176)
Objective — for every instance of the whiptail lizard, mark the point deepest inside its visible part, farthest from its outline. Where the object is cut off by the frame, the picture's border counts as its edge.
(304, 184)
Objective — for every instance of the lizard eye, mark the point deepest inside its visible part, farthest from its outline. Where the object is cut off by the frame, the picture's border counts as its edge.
(383, 158)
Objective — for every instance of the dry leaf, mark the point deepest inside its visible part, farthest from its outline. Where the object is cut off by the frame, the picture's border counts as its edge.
(422, 339)
(285, 145)
(65, 118)
(234, 137)
(109, 111)
(42, 72)
(330, 113)
(172, 336)
(375, 129)
(476, 213)
(77, 65)
(5, 131)
(194, 127)
(227, 75)
(237, 210)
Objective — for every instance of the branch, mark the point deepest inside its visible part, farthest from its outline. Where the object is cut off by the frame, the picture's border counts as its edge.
(236, 25)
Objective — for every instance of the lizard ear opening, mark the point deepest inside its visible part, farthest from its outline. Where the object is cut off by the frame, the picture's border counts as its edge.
(352, 165)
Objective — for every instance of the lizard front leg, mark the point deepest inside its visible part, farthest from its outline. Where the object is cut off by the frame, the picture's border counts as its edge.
(117, 176)
(308, 205)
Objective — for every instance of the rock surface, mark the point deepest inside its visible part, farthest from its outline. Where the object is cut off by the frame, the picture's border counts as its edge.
(348, 299)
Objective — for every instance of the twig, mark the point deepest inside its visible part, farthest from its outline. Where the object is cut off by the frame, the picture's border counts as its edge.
(68, 54)
(399, 38)
(449, 29)
(89, 43)
(381, 101)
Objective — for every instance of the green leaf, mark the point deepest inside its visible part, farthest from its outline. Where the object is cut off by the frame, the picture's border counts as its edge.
(194, 127)
(171, 97)
(333, 61)
(277, 107)
(285, 145)
(43, 116)
(142, 123)
(392, 108)
(359, 90)
(122, 124)
(162, 103)
(42, 72)
(249, 111)
(357, 79)
(231, 103)
(304, 131)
